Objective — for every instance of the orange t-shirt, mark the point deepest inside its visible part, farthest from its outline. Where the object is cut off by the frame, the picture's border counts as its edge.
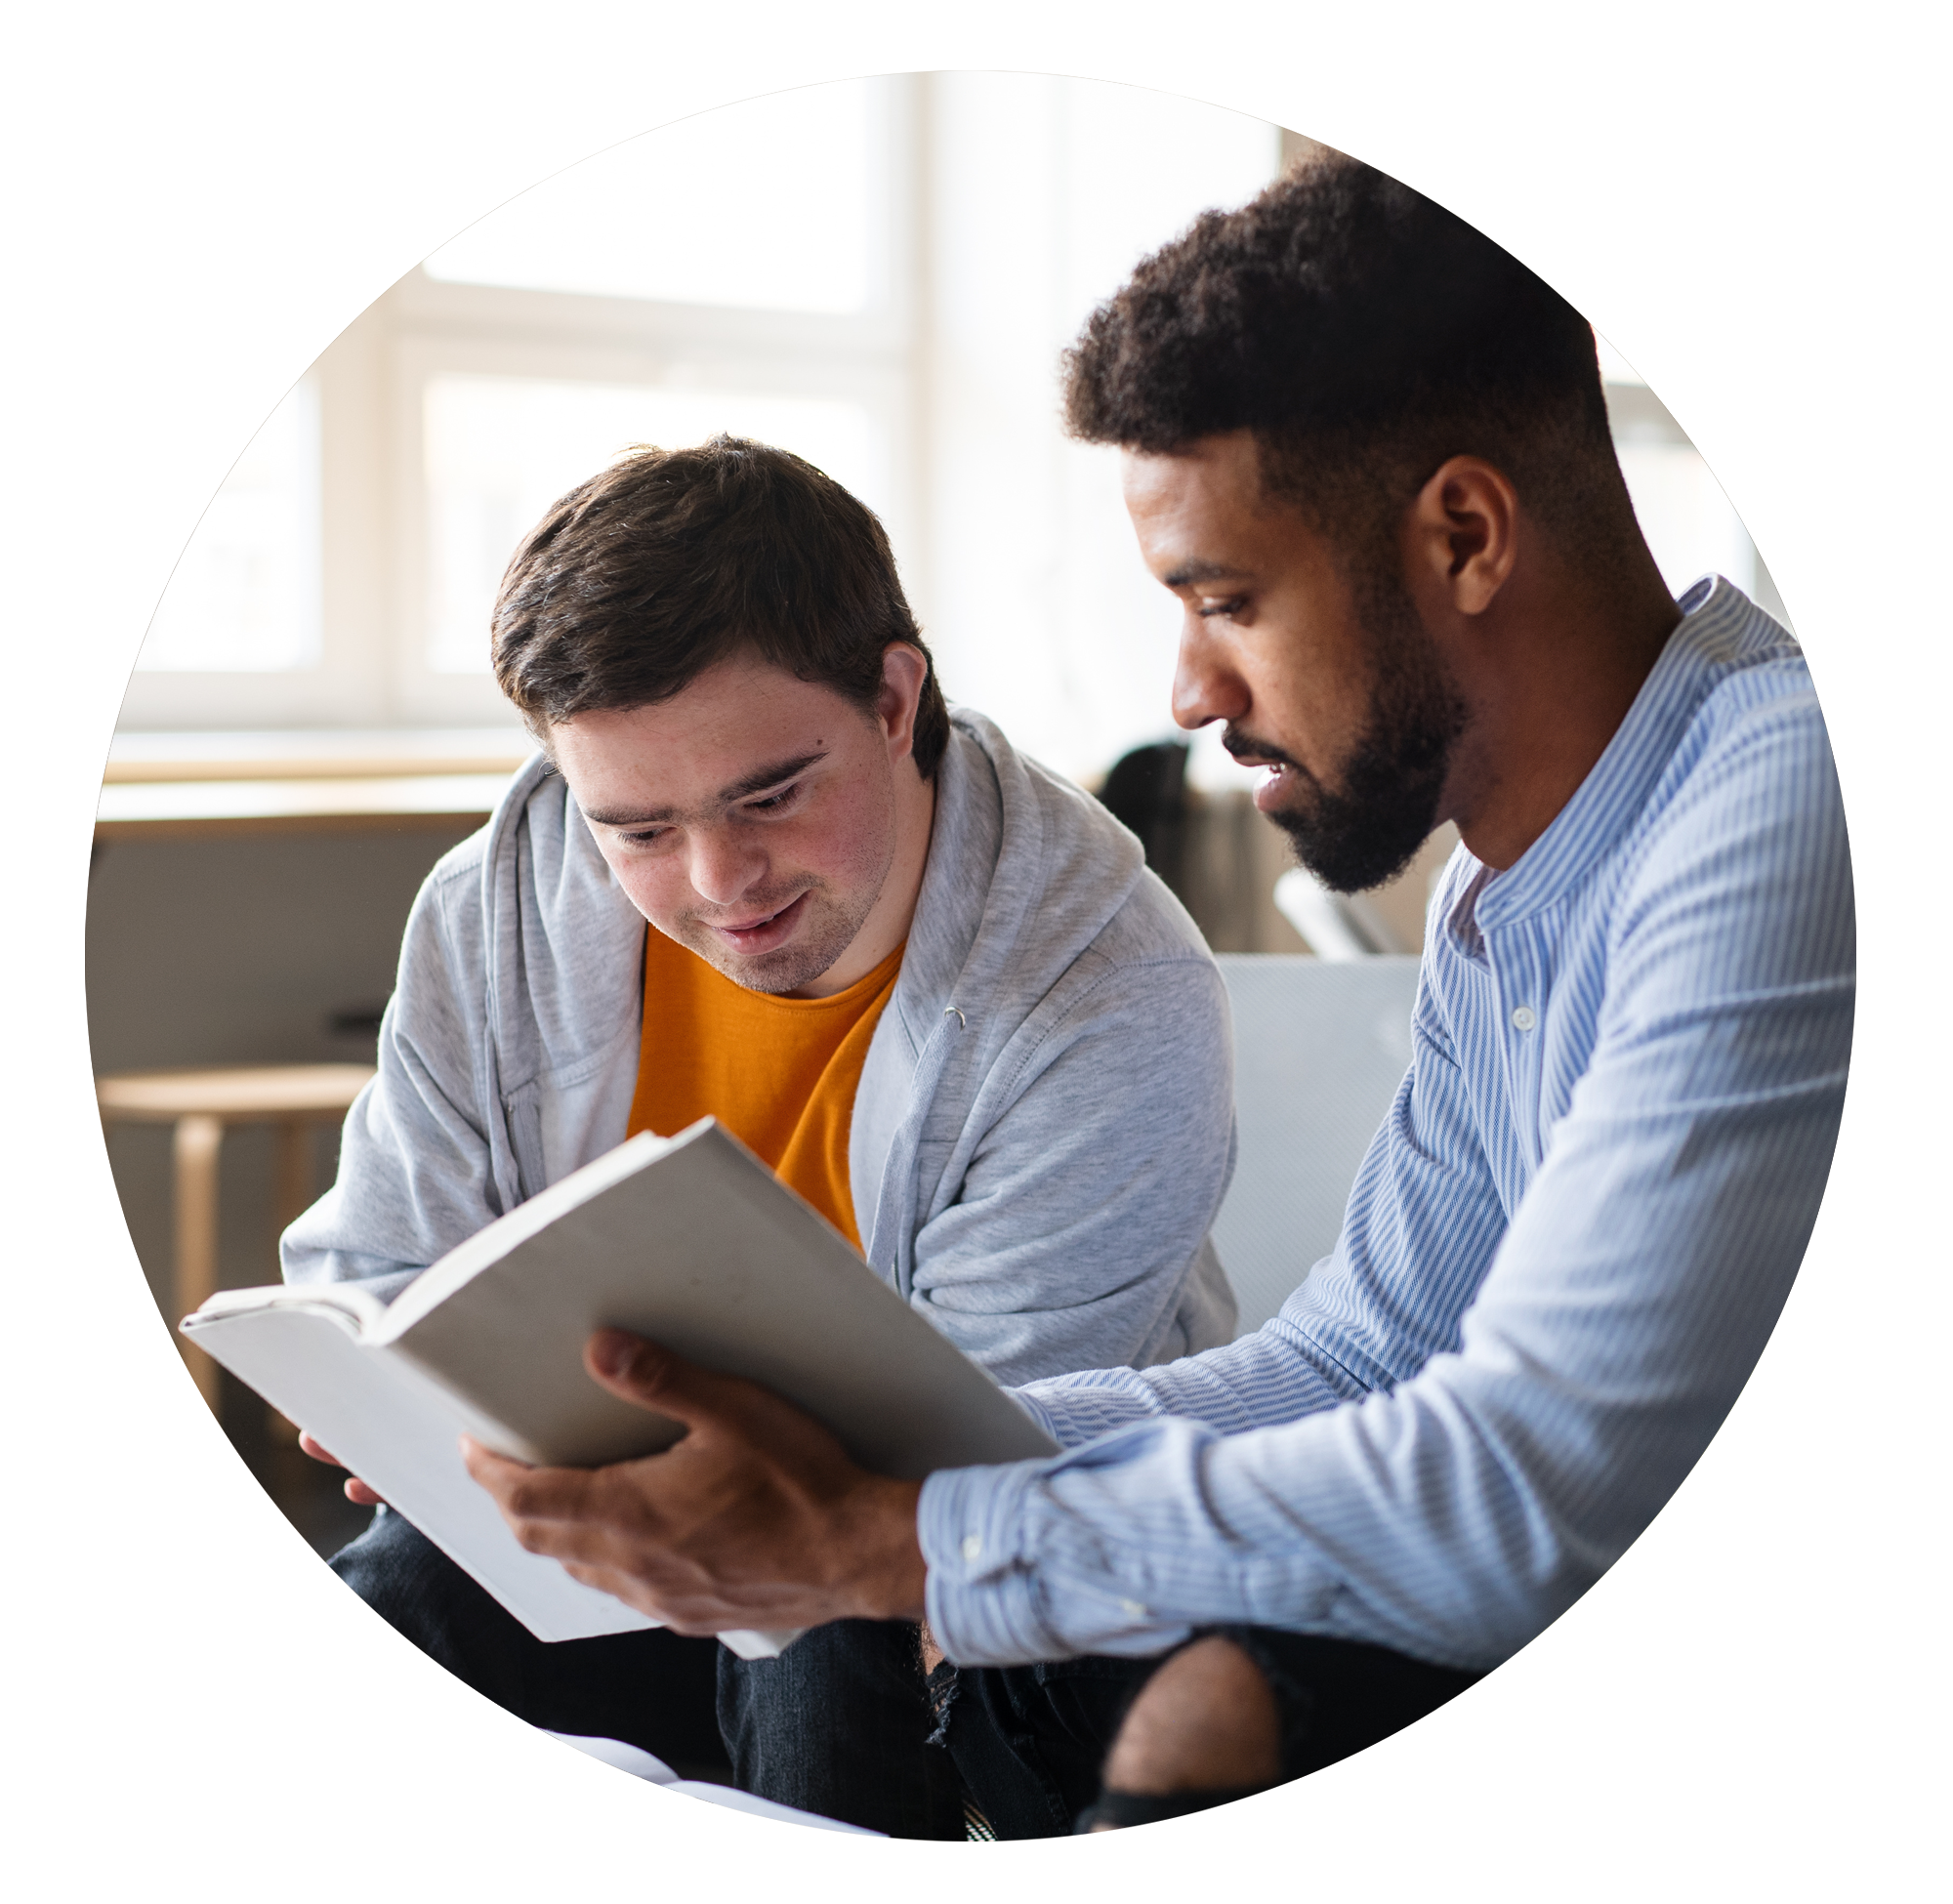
(780, 1073)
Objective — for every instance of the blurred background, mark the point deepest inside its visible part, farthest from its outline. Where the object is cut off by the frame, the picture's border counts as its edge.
(879, 275)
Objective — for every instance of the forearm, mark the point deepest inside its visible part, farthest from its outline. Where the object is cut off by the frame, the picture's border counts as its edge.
(1274, 1375)
(1126, 1548)
(1457, 1515)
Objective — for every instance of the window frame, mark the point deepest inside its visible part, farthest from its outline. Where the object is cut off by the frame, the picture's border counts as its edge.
(373, 668)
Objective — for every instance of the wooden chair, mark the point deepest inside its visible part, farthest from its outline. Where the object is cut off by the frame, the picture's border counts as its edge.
(294, 1099)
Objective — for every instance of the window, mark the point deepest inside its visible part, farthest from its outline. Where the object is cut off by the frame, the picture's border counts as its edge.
(880, 274)
(498, 450)
(746, 270)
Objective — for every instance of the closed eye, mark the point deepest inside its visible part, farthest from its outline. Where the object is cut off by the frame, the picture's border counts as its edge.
(1232, 605)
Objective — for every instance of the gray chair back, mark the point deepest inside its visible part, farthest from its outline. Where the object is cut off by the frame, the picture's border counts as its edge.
(1319, 1050)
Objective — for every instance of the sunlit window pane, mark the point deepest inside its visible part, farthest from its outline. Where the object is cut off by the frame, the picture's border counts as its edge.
(1684, 516)
(501, 450)
(767, 205)
(246, 597)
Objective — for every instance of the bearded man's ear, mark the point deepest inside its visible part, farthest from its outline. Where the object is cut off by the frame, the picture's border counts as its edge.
(1463, 535)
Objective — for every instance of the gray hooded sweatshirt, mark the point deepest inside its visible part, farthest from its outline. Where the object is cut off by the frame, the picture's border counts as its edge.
(1043, 1125)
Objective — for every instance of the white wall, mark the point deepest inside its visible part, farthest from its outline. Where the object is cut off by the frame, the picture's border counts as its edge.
(1042, 194)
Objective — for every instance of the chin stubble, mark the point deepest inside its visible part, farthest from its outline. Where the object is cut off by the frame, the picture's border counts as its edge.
(830, 928)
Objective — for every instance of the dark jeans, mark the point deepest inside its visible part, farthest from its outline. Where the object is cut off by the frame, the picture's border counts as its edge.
(1029, 1740)
(835, 1725)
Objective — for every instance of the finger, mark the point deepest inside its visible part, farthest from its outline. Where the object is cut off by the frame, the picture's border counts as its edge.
(527, 1494)
(588, 1546)
(674, 1593)
(356, 1490)
(655, 1379)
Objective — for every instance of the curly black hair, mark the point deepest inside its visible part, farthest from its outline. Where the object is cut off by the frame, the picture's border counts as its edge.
(1365, 335)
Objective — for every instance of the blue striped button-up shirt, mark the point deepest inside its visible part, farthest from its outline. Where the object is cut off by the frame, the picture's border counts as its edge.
(1562, 1254)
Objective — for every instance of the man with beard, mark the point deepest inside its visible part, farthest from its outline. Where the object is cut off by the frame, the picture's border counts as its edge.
(1369, 452)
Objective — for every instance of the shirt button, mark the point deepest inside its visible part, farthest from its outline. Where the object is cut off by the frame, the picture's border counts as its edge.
(1525, 1018)
(1136, 1608)
(973, 1545)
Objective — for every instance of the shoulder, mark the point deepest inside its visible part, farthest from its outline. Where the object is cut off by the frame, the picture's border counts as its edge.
(459, 865)
(1152, 928)
(1756, 720)
(1765, 715)
(522, 851)
(1741, 869)
(1029, 796)
(1089, 858)
(1146, 981)
(1754, 765)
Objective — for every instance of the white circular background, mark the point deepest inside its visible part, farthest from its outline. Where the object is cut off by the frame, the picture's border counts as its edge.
(201, 196)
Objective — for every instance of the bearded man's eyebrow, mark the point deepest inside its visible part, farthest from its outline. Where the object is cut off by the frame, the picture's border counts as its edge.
(1189, 574)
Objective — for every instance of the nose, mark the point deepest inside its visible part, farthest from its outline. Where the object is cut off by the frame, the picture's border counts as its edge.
(723, 865)
(1205, 685)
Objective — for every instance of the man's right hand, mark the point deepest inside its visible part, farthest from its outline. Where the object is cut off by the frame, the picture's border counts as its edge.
(356, 1490)
(757, 1518)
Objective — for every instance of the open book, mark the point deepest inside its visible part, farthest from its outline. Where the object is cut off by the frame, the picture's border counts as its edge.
(688, 1240)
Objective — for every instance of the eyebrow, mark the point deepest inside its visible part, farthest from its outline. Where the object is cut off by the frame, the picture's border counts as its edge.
(772, 776)
(1189, 573)
(740, 789)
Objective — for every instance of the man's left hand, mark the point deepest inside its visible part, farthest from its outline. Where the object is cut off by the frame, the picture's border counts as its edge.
(757, 1519)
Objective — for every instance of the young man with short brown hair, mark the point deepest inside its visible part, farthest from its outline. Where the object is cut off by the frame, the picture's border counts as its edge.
(761, 871)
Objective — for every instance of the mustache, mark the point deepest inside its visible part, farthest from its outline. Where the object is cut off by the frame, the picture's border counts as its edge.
(1239, 743)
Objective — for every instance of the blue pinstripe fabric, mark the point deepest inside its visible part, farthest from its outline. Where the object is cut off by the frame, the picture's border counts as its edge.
(1563, 1254)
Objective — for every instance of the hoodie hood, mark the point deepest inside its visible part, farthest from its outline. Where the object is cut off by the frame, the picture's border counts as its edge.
(1025, 873)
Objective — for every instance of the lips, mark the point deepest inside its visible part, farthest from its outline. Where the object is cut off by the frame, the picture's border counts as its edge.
(1268, 795)
(767, 932)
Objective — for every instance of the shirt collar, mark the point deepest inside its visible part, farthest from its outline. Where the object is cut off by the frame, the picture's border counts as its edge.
(1616, 788)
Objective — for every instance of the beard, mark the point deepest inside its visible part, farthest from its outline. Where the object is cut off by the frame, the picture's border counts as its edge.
(1367, 831)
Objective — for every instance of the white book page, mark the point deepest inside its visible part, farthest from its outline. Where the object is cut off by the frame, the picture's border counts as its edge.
(401, 1435)
(400, 1432)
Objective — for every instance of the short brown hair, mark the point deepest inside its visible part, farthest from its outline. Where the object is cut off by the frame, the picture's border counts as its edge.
(670, 560)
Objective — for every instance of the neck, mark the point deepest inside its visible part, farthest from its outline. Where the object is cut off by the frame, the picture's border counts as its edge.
(1548, 672)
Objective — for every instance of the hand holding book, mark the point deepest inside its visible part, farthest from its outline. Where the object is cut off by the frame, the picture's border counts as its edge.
(788, 1477)
(757, 1519)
